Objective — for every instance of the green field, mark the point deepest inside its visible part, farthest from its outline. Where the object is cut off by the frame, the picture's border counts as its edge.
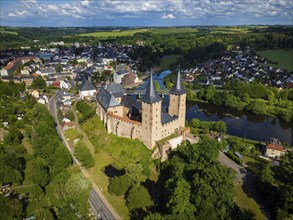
(114, 33)
(230, 30)
(124, 33)
(173, 30)
(5, 31)
(166, 61)
(283, 57)
(247, 203)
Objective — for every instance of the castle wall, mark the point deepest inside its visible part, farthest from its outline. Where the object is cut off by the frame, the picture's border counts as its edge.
(117, 110)
(123, 127)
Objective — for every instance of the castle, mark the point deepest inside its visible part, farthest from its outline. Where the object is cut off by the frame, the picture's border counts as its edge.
(144, 119)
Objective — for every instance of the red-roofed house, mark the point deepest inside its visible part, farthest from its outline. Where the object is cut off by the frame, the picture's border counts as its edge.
(14, 64)
(275, 149)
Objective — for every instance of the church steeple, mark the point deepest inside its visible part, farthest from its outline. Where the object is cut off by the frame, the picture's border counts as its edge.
(178, 88)
(151, 95)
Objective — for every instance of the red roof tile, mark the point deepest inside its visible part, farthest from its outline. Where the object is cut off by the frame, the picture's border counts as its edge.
(276, 147)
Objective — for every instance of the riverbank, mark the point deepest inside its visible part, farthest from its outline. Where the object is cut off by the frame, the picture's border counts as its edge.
(242, 124)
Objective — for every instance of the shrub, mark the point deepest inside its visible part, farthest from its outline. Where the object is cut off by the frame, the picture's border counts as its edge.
(231, 155)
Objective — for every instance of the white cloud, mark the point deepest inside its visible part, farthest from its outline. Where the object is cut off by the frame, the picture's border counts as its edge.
(53, 7)
(152, 9)
(168, 16)
(85, 3)
(18, 14)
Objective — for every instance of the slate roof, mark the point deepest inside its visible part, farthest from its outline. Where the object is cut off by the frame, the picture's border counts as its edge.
(115, 89)
(178, 88)
(121, 72)
(86, 86)
(128, 101)
(106, 99)
(151, 95)
(165, 118)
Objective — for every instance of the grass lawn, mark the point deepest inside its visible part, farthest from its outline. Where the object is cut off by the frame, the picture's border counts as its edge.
(103, 159)
(72, 134)
(247, 159)
(283, 57)
(113, 34)
(117, 151)
(166, 61)
(247, 203)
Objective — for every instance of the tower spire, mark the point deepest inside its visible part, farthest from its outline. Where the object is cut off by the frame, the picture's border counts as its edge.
(178, 88)
(151, 95)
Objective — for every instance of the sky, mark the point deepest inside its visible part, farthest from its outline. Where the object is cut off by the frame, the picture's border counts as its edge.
(59, 13)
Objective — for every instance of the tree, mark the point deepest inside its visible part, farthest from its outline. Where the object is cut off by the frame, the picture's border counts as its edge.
(138, 198)
(59, 67)
(70, 115)
(135, 172)
(179, 197)
(220, 126)
(84, 155)
(210, 92)
(119, 185)
(37, 192)
(40, 174)
(266, 175)
(39, 83)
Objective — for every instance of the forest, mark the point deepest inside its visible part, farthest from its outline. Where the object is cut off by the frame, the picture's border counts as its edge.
(45, 183)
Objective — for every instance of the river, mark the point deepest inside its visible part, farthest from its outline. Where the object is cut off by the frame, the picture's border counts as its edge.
(159, 77)
(239, 123)
(242, 123)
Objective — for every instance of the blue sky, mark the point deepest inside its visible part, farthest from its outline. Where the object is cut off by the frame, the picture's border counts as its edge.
(144, 13)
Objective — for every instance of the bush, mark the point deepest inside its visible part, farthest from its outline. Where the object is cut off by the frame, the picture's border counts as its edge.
(119, 185)
(83, 154)
(236, 159)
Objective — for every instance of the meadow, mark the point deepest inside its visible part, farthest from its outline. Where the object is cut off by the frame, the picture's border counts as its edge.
(114, 33)
(283, 57)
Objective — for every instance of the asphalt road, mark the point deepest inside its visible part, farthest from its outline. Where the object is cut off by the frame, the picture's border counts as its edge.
(101, 208)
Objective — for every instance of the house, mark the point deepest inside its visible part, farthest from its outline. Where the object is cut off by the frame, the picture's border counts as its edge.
(274, 149)
(86, 89)
(118, 75)
(129, 79)
(14, 64)
(68, 125)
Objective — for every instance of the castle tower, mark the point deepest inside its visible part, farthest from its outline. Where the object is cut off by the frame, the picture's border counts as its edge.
(151, 115)
(177, 104)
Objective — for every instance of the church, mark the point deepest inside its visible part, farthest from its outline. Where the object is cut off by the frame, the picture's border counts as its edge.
(144, 119)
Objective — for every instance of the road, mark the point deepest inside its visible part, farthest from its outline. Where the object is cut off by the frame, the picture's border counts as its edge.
(248, 183)
(102, 208)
